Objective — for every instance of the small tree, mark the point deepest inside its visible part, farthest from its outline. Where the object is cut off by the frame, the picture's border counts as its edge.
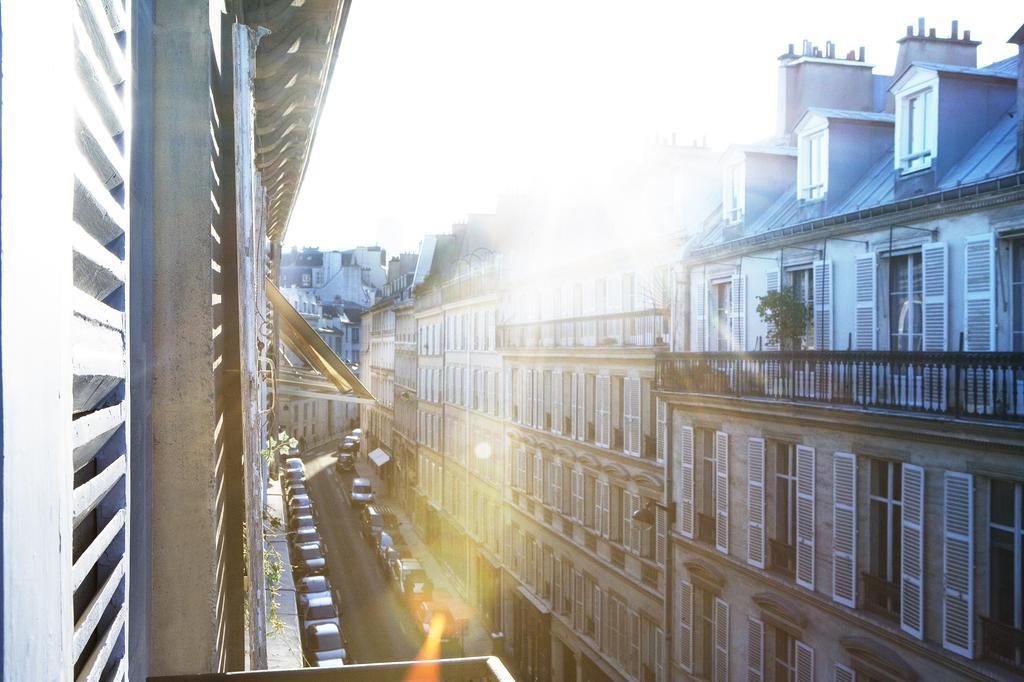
(785, 316)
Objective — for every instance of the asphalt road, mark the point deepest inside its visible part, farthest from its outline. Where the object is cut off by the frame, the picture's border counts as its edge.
(373, 619)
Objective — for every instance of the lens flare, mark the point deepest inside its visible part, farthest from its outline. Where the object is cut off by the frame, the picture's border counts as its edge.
(427, 668)
(482, 451)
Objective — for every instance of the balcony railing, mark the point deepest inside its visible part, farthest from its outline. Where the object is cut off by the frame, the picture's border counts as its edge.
(1002, 643)
(475, 669)
(634, 329)
(881, 596)
(970, 385)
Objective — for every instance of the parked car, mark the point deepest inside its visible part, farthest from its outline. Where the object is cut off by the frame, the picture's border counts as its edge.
(411, 580)
(308, 559)
(320, 610)
(298, 488)
(290, 477)
(325, 647)
(361, 493)
(297, 521)
(349, 444)
(310, 587)
(301, 536)
(346, 462)
(295, 464)
(300, 505)
(371, 523)
(387, 544)
(452, 629)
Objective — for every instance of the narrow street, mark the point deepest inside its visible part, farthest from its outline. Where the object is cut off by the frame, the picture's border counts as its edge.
(373, 618)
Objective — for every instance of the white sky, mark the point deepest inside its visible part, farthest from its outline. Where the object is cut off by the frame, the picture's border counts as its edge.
(437, 107)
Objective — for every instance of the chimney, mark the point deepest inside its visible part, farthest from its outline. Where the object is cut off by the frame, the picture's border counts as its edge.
(928, 47)
(1018, 40)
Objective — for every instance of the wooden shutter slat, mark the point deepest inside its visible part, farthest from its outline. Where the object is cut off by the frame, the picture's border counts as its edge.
(912, 551)
(755, 650)
(935, 298)
(685, 626)
(805, 493)
(738, 312)
(979, 293)
(958, 564)
(804, 663)
(772, 283)
(844, 529)
(721, 611)
(866, 302)
(755, 502)
(684, 441)
(662, 430)
(823, 305)
(722, 492)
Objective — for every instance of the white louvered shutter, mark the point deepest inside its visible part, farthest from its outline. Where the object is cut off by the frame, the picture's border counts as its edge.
(755, 650)
(684, 632)
(603, 416)
(844, 529)
(721, 673)
(635, 530)
(722, 492)
(755, 502)
(958, 564)
(574, 400)
(772, 283)
(556, 401)
(581, 406)
(556, 585)
(506, 394)
(660, 535)
(684, 446)
(538, 399)
(94, 397)
(804, 669)
(912, 551)
(633, 423)
(738, 312)
(935, 303)
(528, 402)
(577, 496)
(662, 430)
(865, 335)
(538, 475)
(577, 611)
(556, 484)
(604, 508)
(979, 293)
(805, 489)
(843, 673)
(700, 303)
(823, 329)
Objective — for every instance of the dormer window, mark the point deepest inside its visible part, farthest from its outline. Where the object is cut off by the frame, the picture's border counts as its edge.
(917, 131)
(733, 199)
(813, 165)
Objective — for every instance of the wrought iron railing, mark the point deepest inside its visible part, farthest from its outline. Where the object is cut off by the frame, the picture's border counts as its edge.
(1002, 643)
(634, 329)
(959, 384)
(881, 596)
(474, 669)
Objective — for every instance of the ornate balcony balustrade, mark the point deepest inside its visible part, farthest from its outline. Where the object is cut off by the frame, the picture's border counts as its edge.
(987, 386)
(644, 328)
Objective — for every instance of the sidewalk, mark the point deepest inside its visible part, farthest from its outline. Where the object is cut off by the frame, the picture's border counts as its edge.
(477, 640)
(284, 647)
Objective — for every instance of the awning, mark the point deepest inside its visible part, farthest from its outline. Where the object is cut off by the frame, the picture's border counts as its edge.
(331, 377)
(379, 457)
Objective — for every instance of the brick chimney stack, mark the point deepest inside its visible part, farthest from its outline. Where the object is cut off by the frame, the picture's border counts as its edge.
(956, 50)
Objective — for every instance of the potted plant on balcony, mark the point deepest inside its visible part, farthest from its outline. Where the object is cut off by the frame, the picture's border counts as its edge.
(785, 317)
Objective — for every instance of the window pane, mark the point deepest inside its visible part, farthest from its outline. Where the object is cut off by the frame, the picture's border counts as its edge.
(1001, 586)
(1002, 503)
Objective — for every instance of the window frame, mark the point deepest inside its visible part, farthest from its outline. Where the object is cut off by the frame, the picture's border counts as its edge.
(813, 168)
(733, 190)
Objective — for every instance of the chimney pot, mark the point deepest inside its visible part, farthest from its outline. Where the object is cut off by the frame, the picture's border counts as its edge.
(931, 33)
(860, 56)
(851, 55)
(790, 48)
(920, 27)
(910, 30)
(955, 31)
(967, 35)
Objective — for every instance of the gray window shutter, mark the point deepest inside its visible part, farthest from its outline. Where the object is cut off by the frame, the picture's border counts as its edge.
(823, 329)
(721, 673)
(700, 303)
(805, 490)
(662, 430)
(772, 283)
(722, 492)
(755, 650)
(581, 406)
(684, 446)
(979, 293)
(603, 414)
(912, 551)
(684, 631)
(865, 335)
(738, 312)
(843, 673)
(755, 502)
(556, 401)
(958, 564)
(844, 529)
(935, 303)
(804, 663)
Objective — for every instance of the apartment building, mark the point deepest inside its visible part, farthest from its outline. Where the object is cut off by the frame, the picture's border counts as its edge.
(848, 498)
(585, 581)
